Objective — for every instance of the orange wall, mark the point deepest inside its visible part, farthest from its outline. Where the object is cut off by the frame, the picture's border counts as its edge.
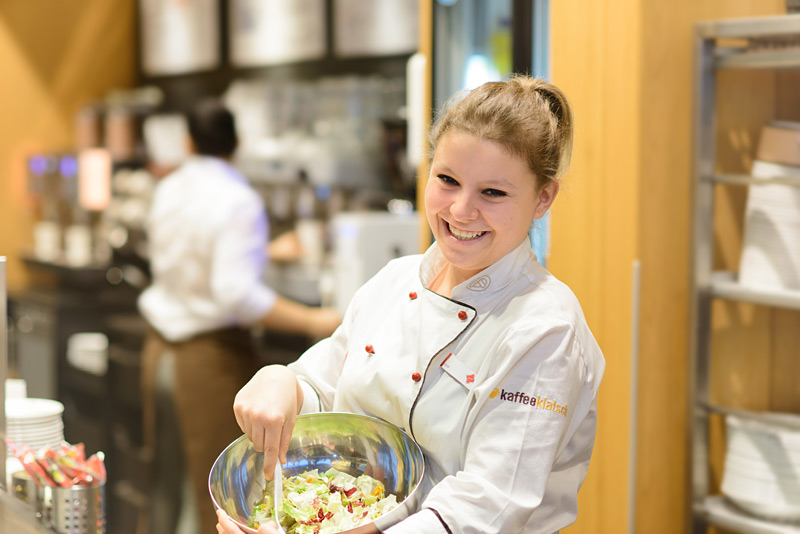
(595, 59)
(55, 57)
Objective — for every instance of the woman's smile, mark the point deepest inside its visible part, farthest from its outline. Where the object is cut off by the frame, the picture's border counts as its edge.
(463, 235)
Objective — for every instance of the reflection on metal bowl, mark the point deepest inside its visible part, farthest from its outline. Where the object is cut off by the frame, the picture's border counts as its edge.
(355, 444)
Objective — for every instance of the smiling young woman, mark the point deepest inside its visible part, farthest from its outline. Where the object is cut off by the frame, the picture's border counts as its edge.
(480, 202)
(473, 347)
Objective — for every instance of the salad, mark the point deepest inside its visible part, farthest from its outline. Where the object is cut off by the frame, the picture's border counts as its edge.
(324, 503)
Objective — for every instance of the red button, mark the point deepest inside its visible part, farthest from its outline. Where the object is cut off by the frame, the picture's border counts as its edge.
(416, 377)
(412, 295)
(462, 315)
(369, 349)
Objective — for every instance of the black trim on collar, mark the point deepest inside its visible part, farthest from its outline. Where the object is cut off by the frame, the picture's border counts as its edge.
(440, 520)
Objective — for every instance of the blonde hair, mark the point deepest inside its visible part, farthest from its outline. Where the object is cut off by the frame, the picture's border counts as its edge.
(529, 117)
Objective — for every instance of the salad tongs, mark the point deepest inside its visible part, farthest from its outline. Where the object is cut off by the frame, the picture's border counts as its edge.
(278, 498)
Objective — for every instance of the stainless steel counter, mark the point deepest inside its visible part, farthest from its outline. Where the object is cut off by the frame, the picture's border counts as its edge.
(18, 517)
(295, 282)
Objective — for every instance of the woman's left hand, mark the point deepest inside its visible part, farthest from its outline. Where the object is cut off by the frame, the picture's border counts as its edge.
(226, 526)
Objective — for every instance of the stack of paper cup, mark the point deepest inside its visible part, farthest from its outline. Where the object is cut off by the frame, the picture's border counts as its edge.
(762, 468)
(771, 249)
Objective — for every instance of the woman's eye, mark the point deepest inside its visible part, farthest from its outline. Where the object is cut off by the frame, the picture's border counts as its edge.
(494, 193)
(447, 180)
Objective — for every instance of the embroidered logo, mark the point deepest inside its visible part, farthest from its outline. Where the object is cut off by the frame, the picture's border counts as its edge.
(470, 379)
(480, 284)
(542, 403)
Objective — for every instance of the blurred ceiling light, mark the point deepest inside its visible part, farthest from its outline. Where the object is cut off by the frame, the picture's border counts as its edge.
(478, 71)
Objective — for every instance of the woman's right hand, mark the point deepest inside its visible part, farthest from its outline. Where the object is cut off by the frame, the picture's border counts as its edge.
(266, 409)
(226, 526)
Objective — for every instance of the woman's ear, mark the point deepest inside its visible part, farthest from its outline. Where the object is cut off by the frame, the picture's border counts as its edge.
(545, 198)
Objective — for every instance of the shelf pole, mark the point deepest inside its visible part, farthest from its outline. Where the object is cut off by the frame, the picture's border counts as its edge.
(3, 367)
(701, 265)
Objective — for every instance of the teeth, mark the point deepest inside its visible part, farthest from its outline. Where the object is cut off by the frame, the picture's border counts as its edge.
(465, 236)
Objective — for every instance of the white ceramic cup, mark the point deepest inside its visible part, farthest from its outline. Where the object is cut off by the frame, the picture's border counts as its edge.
(311, 234)
(47, 240)
(78, 245)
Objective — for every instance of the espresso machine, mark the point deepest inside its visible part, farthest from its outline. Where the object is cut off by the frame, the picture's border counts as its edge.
(363, 242)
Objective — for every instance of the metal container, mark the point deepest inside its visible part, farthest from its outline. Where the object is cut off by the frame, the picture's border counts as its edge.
(355, 444)
(22, 486)
(75, 510)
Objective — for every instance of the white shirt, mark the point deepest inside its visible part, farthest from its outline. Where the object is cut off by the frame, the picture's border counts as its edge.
(207, 232)
(507, 425)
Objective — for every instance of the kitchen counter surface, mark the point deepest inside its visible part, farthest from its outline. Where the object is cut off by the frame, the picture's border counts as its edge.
(18, 517)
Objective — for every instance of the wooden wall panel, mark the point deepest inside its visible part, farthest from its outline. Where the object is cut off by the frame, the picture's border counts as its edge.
(665, 127)
(657, 116)
(739, 329)
(56, 57)
(785, 335)
(423, 168)
(594, 230)
(784, 391)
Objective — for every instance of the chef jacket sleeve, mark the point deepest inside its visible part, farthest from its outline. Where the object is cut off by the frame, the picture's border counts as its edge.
(311, 400)
(238, 260)
(319, 367)
(523, 463)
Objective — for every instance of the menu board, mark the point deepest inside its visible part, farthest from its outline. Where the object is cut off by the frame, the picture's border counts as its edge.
(375, 28)
(272, 32)
(179, 36)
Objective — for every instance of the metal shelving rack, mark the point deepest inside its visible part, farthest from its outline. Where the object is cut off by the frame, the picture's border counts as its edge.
(714, 51)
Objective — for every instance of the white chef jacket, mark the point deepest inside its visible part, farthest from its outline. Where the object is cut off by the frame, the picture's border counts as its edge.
(207, 232)
(498, 385)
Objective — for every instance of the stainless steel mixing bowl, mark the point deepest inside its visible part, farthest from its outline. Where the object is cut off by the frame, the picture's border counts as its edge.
(355, 444)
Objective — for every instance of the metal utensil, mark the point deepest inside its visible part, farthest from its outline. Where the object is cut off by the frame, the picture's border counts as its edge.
(351, 443)
(278, 498)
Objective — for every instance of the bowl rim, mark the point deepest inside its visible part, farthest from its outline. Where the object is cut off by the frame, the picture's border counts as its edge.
(373, 418)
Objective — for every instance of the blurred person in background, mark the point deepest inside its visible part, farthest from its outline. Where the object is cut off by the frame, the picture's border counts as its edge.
(207, 236)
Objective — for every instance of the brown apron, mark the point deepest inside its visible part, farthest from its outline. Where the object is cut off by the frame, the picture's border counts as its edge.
(209, 370)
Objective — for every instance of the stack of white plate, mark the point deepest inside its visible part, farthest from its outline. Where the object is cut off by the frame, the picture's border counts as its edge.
(762, 467)
(35, 423)
(771, 249)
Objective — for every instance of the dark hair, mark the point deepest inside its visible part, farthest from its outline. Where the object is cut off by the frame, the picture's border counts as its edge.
(213, 129)
(529, 117)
